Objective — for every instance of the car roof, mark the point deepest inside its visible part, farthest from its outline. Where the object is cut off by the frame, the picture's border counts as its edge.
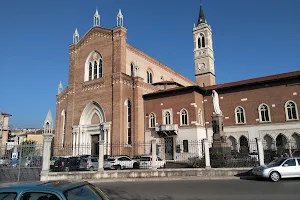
(60, 185)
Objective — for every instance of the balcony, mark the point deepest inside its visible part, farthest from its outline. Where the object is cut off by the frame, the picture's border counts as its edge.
(167, 129)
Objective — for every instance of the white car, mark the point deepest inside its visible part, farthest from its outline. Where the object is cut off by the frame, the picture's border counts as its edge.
(120, 162)
(279, 168)
(146, 162)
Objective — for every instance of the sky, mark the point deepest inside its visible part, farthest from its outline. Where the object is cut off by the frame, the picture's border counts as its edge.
(250, 39)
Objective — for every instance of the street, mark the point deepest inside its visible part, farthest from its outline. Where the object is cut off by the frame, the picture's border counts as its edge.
(235, 189)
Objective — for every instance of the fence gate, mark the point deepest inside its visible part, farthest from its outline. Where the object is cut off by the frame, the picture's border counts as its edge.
(20, 162)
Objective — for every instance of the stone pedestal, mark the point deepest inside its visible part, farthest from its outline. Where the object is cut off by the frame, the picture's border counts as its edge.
(219, 144)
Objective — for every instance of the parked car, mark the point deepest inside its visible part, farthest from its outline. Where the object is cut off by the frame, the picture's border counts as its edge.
(146, 162)
(120, 162)
(90, 163)
(52, 190)
(4, 161)
(283, 167)
(66, 164)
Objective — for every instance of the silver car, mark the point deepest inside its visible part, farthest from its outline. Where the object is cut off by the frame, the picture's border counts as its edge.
(279, 168)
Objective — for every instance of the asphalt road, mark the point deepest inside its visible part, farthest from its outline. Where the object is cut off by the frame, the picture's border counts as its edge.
(237, 189)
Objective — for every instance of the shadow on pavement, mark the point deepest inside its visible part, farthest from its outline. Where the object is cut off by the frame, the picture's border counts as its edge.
(248, 175)
(118, 193)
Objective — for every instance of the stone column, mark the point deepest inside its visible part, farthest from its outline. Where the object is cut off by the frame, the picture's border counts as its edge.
(206, 152)
(153, 145)
(260, 150)
(101, 156)
(47, 140)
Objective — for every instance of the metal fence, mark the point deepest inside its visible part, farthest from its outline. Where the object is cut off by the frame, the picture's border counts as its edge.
(170, 154)
(280, 148)
(232, 155)
(21, 162)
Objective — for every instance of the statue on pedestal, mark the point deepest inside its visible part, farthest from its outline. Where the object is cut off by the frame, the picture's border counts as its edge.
(216, 105)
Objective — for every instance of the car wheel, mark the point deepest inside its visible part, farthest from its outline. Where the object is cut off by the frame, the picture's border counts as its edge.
(91, 168)
(275, 176)
(135, 165)
(67, 169)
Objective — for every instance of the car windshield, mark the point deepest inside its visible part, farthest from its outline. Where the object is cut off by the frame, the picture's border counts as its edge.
(82, 193)
(276, 162)
(110, 159)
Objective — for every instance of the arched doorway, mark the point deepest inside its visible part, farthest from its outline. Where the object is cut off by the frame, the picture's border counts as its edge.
(268, 142)
(88, 133)
(295, 144)
(244, 145)
(232, 143)
(281, 144)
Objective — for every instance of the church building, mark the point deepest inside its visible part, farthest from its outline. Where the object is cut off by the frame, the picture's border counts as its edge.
(120, 95)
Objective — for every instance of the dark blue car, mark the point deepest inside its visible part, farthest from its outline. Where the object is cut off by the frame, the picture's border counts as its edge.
(52, 190)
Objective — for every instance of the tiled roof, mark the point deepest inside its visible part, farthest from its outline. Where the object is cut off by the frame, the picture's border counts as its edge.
(263, 79)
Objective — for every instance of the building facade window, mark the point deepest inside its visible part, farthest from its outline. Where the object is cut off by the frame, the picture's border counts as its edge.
(240, 115)
(264, 113)
(63, 127)
(200, 117)
(152, 120)
(149, 77)
(131, 70)
(291, 111)
(129, 120)
(167, 117)
(184, 117)
(90, 71)
(94, 66)
(185, 146)
(201, 41)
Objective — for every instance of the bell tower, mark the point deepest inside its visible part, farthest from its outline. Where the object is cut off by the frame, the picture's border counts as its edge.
(203, 52)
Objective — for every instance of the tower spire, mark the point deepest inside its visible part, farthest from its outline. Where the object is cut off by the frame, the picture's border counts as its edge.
(201, 17)
(75, 36)
(120, 18)
(96, 18)
(60, 88)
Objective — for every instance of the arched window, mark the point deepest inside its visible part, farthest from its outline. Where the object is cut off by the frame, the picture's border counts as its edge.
(152, 120)
(63, 127)
(239, 115)
(90, 71)
(95, 69)
(200, 118)
(149, 77)
(167, 117)
(129, 120)
(131, 70)
(264, 113)
(93, 66)
(203, 41)
(184, 117)
(291, 111)
(100, 73)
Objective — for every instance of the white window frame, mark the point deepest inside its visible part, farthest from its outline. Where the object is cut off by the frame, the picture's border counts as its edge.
(259, 112)
(187, 117)
(87, 65)
(163, 116)
(236, 115)
(286, 110)
(150, 118)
